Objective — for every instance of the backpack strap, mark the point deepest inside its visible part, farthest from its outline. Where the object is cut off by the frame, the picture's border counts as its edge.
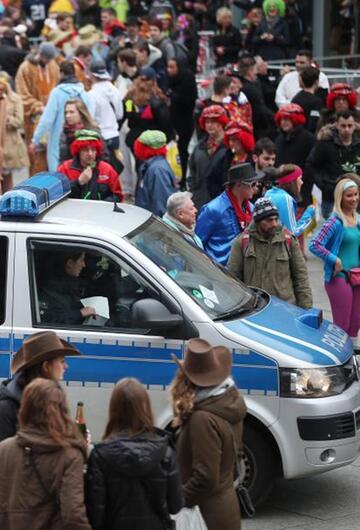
(245, 238)
(288, 239)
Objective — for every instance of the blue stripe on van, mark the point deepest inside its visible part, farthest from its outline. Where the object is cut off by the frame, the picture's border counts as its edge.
(4, 365)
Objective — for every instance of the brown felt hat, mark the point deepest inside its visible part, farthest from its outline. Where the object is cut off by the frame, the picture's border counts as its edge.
(205, 365)
(39, 347)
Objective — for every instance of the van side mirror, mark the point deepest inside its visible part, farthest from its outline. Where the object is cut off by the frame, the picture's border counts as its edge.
(150, 313)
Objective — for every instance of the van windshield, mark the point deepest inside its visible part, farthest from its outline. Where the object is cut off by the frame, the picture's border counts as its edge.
(210, 285)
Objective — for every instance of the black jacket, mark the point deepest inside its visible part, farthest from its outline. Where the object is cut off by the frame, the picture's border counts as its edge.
(10, 396)
(59, 301)
(263, 117)
(231, 41)
(276, 49)
(330, 158)
(183, 94)
(132, 483)
(207, 174)
(312, 105)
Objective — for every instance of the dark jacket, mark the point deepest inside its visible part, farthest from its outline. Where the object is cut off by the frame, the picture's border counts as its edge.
(10, 396)
(330, 158)
(59, 301)
(312, 105)
(207, 174)
(231, 41)
(132, 483)
(206, 458)
(10, 58)
(183, 94)
(275, 49)
(23, 501)
(155, 184)
(275, 265)
(155, 116)
(263, 117)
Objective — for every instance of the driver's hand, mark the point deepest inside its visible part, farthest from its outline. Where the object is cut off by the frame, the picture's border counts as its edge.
(88, 311)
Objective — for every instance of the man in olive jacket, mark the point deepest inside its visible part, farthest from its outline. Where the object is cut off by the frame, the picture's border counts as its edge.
(268, 256)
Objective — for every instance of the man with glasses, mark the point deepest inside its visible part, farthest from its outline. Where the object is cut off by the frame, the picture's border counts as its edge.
(226, 216)
(268, 256)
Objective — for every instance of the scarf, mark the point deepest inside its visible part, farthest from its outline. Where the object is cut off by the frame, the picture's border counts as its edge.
(243, 214)
(69, 130)
(214, 391)
(212, 145)
(239, 159)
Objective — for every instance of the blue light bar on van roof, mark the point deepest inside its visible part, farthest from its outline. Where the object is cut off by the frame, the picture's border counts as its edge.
(34, 195)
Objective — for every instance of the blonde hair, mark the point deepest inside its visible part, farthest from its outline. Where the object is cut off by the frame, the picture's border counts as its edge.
(221, 12)
(182, 392)
(338, 197)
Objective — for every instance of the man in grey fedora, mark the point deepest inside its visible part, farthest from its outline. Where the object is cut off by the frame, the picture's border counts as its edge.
(41, 355)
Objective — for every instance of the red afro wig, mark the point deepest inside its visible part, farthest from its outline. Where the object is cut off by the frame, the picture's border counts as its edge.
(144, 152)
(242, 132)
(77, 145)
(293, 112)
(214, 112)
(341, 90)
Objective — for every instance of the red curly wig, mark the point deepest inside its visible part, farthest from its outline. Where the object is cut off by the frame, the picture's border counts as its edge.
(341, 90)
(293, 112)
(77, 145)
(144, 152)
(242, 132)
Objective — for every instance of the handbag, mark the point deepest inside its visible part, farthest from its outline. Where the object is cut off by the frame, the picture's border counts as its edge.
(245, 502)
(173, 157)
(353, 276)
(189, 519)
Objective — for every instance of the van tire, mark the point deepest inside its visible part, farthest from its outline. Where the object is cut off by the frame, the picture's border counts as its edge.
(260, 463)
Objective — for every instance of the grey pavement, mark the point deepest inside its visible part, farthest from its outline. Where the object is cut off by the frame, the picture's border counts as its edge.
(325, 502)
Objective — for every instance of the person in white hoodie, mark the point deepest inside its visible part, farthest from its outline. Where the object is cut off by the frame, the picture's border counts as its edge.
(108, 110)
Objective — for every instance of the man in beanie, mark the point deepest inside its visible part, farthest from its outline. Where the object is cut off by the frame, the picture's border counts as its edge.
(91, 178)
(268, 256)
(35, 79)
(221, 220)
(156, 180)
(211, 159)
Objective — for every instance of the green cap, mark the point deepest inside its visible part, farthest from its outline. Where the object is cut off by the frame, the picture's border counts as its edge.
(83, 135)
(153, 139)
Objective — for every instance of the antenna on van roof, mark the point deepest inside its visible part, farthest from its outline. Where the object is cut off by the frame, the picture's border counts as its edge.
(116, 207)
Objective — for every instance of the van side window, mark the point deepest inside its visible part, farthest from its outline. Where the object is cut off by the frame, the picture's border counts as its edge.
(77, 286)
(3, 275)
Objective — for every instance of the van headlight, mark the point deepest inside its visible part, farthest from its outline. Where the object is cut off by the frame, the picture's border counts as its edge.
(316, 382)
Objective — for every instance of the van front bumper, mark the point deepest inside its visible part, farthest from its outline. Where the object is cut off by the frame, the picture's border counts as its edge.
(316, 435)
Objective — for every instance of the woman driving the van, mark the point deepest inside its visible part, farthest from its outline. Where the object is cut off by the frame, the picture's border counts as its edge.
(61, 295)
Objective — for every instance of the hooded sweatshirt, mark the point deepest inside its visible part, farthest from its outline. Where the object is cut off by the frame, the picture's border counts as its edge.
(132, 483)
(51, 123)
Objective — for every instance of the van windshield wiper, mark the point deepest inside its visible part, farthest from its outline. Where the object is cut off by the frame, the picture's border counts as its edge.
(234, 312)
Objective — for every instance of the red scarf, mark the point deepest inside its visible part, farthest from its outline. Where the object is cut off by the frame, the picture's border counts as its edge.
(243, 214)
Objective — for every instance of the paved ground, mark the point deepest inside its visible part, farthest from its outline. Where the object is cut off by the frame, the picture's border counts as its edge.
(325, 502)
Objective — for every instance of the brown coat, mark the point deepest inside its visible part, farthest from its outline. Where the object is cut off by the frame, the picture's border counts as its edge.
(207, 460)
(34, 84)
(15, 152)
(23, 504)
(272, 265)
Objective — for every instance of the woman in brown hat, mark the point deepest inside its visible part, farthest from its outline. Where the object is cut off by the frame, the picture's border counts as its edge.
(42, 467)
(41, 355)
(210, 412)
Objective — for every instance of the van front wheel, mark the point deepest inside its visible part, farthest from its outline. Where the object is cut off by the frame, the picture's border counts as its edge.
(259, 464)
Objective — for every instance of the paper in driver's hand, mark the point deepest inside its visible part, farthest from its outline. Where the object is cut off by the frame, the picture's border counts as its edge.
(99, 303)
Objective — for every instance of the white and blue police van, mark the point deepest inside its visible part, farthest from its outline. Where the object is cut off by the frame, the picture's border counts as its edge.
(152, 291)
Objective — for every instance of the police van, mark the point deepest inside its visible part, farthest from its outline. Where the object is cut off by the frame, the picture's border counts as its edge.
(150, 291)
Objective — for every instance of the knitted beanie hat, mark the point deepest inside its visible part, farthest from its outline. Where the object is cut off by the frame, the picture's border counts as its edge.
(153, 139)
(264, 208)
(48, 50)
(279, 4)
(86, 138)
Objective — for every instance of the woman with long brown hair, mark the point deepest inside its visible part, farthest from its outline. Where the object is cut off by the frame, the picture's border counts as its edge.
(77, 117)
(41, 479)
(132, 480)
(210, 412)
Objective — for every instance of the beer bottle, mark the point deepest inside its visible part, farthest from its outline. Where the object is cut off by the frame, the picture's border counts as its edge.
(80, 419)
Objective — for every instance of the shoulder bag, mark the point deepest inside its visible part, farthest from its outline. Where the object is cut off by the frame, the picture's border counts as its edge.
(246, 505)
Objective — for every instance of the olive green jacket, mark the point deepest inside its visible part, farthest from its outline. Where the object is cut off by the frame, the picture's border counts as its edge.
(272, 265)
